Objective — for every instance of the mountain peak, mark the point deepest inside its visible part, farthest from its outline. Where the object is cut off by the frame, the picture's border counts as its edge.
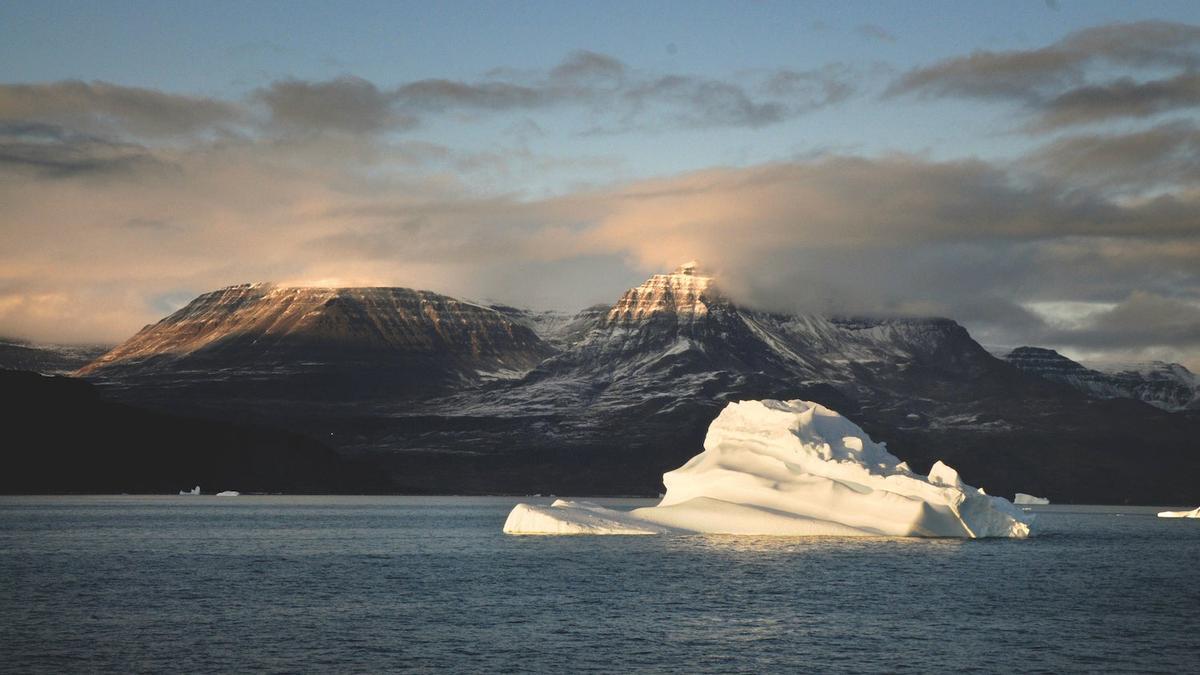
(684, 293)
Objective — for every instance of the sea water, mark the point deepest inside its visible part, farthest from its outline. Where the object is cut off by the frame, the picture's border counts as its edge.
(374, 584)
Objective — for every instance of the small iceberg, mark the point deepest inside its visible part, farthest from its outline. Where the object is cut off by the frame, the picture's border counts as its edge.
(1194, 513)
(792, 468)
(229, 493)
(193, 491)
(568, 517)
(1022, 499)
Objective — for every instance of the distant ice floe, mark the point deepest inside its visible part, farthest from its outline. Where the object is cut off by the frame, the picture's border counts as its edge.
(1022, 499)
(792, 468)
(229, 493)
(1194, 513)
(194, 491)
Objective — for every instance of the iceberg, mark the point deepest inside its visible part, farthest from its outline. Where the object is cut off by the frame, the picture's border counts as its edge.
(1022, 499)
(229, 493)
(792, 468)
(194, 491)
(1194, 513)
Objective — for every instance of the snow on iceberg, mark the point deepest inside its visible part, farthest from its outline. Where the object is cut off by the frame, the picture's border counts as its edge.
(792, 468)
(1022, 499)
(1194, 513)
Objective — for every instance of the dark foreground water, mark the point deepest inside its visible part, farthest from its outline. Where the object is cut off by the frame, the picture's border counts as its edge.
(203, 584)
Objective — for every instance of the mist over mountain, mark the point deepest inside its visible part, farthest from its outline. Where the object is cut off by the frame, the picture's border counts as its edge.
(456, 397)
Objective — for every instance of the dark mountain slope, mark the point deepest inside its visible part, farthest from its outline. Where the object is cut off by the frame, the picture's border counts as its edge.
(46, 359)
(60, 437)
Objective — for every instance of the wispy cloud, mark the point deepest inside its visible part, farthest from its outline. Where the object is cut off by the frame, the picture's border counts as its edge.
(100, 107)
(1163, 155)
(618, 97)
(52, 151)
(348, 104)
(875, 32)
(1062, 84)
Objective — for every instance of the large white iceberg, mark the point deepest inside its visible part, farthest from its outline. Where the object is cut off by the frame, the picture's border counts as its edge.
(1194, 513)
(1022, 499)
(792, 468)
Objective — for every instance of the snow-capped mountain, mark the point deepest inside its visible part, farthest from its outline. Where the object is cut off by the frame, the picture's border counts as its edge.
(465, 398)
(1168, 386)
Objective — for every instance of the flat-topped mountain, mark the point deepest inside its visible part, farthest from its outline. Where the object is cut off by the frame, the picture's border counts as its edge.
(363, 340)
(455, 397)
(1169, 386)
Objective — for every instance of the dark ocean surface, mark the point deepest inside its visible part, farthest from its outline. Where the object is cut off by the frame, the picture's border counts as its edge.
(373, 584)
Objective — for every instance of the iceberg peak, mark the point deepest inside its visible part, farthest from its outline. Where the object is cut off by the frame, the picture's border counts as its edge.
(794, 468)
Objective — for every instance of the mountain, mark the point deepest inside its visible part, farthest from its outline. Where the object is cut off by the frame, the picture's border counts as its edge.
(323, 343)
(606, 400)
(1168, 386)
(47, 359)
(60, 436)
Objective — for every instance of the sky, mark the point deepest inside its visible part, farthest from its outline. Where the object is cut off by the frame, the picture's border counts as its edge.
(1030, 169)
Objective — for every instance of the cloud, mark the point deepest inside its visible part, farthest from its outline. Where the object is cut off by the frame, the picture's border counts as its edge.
(1164, 155)
(586, 66)
(347, 104)
(1124, 97)
(1057, 83)
(631, 100)
(893, 235)
(1141, 327)
(52, 151)
(874, 32)
(703, 103)
(441, 95)
(618, 99)
(1143, 320)
(103, 108)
